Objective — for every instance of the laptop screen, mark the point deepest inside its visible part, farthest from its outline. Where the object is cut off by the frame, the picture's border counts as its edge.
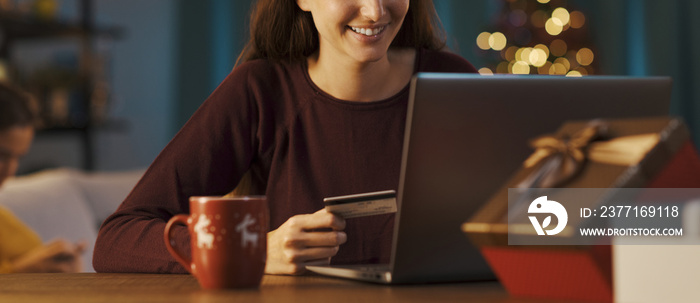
(466, 134)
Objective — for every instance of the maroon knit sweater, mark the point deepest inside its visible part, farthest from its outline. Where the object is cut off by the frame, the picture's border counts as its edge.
(300, 144)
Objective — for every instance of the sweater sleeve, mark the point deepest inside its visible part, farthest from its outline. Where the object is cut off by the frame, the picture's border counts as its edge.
(207, 157)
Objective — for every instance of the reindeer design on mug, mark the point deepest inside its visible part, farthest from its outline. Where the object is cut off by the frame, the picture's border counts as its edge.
(247, 236)
(205, 239)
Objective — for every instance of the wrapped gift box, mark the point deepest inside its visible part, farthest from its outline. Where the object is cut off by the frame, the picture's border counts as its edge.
(583, 272)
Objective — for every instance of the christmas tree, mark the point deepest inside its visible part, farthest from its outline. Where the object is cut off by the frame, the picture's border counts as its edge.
(544, 37)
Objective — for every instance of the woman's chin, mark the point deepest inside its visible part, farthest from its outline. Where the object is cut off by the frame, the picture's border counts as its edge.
(371, 56)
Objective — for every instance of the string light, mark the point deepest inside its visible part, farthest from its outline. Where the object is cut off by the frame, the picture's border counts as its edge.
(538, 37)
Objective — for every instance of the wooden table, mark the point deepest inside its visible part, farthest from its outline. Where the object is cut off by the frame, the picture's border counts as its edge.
(97, 288)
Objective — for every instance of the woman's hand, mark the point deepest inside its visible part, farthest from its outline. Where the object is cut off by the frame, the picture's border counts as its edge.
(58, 256)
(304, 240)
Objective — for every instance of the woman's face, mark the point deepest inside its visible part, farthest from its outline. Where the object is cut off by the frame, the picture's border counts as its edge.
(356, 29)
(14, 143)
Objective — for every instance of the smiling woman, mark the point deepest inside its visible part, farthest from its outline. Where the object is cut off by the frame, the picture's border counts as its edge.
(354, 37)
(361, 32)
(316, 107)
(279, 29)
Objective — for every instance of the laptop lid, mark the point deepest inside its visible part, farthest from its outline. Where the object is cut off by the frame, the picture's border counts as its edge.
(466, 134)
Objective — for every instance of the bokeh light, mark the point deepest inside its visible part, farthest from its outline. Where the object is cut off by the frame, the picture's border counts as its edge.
(503, 67)
(546, 37)
(539, 18)
(485, 71)
(544, 69)
(578, 19)
(585, 56)
(523, 54)
(498, 41)
(544, 48)
(509, 54)
(582, 70)
(558, 47)
(563, 62)
(553, 27)
(521, 68)
(538, 57)
(558, 69)
(482, 41)
(561, 16)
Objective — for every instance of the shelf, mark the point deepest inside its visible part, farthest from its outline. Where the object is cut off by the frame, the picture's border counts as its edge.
(16, 26)
(109, 125)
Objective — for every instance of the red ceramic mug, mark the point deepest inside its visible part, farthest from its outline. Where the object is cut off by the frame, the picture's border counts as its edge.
(228, 240)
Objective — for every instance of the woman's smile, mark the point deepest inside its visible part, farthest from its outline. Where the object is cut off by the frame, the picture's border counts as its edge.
(367, 35)
(367, 31)
(355, 30)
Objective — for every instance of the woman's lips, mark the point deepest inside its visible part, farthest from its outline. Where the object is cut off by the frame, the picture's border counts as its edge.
(367, 31)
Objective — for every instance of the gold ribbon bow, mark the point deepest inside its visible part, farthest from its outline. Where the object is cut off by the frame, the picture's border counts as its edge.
(559, 159)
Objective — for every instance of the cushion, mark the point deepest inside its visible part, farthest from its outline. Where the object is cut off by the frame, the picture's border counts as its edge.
(52, 203)
(104, 191)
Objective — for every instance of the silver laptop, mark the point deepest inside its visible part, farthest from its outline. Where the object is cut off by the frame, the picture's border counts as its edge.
(465, 136)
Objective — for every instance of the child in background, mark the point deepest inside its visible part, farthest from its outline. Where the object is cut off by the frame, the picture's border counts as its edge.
(21, 249)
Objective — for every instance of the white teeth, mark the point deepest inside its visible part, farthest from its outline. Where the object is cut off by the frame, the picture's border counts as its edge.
(368, 31)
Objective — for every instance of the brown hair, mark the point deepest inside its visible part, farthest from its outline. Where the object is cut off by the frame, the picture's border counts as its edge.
(280, 30)
(15, 108)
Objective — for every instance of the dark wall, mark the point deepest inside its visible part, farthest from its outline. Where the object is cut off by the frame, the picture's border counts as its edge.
(211, 35)
(193, 48)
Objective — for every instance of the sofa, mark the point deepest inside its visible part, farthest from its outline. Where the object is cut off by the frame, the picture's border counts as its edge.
(67, 203)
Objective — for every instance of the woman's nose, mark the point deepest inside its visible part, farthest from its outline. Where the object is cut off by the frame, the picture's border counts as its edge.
(373, 10)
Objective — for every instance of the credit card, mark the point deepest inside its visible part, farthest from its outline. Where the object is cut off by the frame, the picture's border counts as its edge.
(362, 205)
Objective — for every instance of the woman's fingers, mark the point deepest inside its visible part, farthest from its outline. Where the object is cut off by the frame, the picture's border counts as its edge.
(316, 239)
(321, 219)
(302, 239)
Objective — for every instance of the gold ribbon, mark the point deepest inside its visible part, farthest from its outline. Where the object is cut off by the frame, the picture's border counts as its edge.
(558, 159)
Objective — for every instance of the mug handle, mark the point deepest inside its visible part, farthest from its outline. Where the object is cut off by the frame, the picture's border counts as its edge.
(181, 219)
